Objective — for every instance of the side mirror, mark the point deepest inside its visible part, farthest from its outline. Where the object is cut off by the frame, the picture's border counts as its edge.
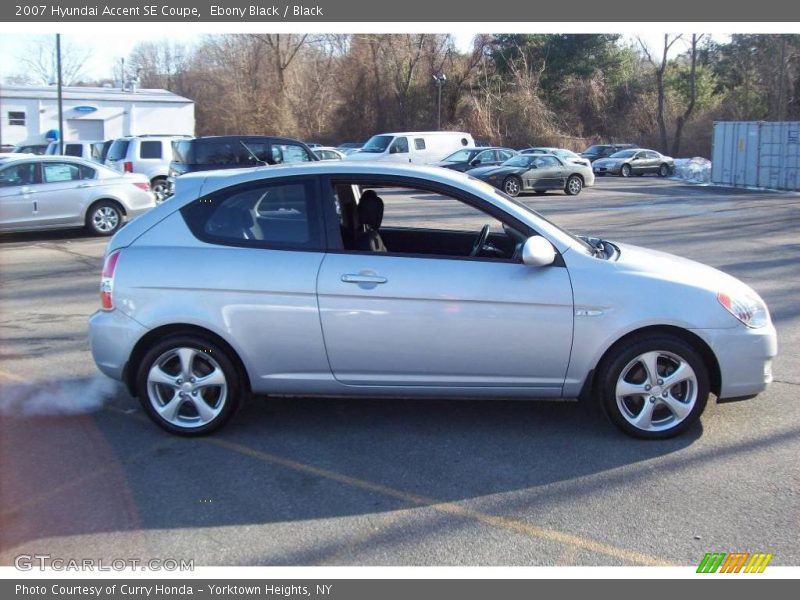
(475, 162)
(538, 252)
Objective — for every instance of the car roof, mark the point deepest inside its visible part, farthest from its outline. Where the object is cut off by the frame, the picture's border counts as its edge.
(237, 138)
(55, 158)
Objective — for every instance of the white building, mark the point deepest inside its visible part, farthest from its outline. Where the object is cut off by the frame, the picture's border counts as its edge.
(29, 114)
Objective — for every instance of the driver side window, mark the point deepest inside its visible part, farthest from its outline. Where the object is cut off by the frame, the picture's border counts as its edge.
(412, 221)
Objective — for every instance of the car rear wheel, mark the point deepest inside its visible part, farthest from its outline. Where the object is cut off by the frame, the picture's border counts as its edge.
(188, 385)
(159, 188)
(574, 186)
(625, 171)
(104, 218)
(654, 388)
(512, 185)
(663, 171)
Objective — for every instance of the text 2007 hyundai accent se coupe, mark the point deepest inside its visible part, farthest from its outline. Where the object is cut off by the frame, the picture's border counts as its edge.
(292, 281)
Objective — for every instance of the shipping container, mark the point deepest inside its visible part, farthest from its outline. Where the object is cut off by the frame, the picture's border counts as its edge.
(756, 154)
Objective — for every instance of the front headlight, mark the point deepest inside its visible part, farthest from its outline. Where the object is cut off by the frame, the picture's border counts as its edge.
(749, 310)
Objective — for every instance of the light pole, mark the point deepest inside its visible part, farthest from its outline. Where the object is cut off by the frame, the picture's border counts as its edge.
(439, 78)
(60, 100)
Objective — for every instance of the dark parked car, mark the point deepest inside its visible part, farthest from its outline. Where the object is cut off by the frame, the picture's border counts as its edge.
(634, 162)
(469, 158)
(536, 173)
(234, 152)
(597, 151)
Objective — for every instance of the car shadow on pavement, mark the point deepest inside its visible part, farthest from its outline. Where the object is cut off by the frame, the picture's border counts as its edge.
(65, 477)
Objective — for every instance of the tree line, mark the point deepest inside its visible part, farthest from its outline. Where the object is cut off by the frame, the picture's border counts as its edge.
(565, 90)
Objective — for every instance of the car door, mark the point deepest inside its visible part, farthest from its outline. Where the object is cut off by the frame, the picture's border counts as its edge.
(653, 161)
(63, 192)
(487, 158)
(548, 174)
(410, 321)
(16, 203)
(398, 150)
(639, 163)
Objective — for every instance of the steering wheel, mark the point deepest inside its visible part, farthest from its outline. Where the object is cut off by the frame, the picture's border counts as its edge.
(480, 241)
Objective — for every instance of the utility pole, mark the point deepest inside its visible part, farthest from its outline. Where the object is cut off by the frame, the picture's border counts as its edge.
(439, 78)
(60, 103)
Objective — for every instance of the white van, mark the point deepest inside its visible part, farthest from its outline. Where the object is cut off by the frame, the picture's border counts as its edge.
(80, 149)
(417, 147)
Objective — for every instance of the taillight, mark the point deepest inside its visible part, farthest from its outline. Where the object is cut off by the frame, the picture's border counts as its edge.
(107, 281)
(142, 185)
(127, 166)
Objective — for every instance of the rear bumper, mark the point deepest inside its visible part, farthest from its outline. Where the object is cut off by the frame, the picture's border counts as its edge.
(112, 337)
(745, 358)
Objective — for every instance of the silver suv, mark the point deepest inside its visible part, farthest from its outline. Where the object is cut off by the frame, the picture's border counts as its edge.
(149, 155)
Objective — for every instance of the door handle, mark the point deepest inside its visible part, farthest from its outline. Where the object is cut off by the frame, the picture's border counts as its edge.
(368, 279)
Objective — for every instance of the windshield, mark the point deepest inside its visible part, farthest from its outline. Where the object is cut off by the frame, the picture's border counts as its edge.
(596, 149)
(377, 144)
(623, 154)
(565, 153)
(539, 215)
(460, 156)
(521, 160)
(118, 150)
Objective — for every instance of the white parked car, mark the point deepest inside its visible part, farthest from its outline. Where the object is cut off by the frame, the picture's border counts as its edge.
(328, 153)
(60, 192)
(78, 149)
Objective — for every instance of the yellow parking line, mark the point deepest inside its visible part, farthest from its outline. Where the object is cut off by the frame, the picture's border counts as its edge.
(451, 508)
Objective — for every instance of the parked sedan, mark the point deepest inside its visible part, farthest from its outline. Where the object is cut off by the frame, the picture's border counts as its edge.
(305, 291)
(565, 155)
(58, 192)
(536, 173)
(634, 162)
(328, 153)
(469, 158)
(598, 151)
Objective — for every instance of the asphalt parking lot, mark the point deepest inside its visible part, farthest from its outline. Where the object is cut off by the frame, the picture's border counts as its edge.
(438, 482)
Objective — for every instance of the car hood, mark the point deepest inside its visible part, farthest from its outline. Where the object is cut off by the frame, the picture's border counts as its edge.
(483, 172)
(668, 267)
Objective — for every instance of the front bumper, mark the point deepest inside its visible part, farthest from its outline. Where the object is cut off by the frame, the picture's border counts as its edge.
(744, 356)
(112, 337)
(606, 170)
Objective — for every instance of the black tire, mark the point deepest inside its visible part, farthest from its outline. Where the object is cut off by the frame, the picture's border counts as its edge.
(663, 170)
(512, 185)
(611, 368)
(574, 185)
(104, 218)
(159, 187)
(625, 171)
(540, 192)
(208, 353)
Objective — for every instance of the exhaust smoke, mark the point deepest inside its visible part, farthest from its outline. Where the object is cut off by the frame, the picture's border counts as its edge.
(50, 398)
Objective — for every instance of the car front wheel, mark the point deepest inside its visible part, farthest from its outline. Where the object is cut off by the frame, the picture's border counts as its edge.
(654, 388)
(625, 171)
(663, 171)
(188, 385)
(512, 185)
(574, 186)
(104, 218)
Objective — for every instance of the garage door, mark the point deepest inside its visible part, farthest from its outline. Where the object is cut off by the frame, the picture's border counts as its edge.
(84, 129)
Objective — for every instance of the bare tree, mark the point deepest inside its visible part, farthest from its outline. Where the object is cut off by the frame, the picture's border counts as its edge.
(660, 69)
(687, 113)
(39, 61)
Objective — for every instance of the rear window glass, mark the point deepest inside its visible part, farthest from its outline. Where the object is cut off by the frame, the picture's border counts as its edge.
(118, 150)
(419, 143)
(233, 152)
(280, 215)
(150, 150)
(73, 150)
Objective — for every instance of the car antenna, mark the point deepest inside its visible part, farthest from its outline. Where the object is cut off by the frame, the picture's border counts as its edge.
(263, 163)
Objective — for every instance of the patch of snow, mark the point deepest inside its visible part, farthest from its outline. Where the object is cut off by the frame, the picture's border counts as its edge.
(696, 170)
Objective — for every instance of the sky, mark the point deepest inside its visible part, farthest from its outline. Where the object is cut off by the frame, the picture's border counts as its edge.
(107, 50)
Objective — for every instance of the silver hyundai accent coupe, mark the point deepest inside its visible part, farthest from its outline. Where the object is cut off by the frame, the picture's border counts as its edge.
(382, 280)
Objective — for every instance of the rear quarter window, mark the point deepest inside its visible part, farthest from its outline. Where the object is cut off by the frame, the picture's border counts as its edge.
(276, 214)
(151, 149)
(118, 150)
